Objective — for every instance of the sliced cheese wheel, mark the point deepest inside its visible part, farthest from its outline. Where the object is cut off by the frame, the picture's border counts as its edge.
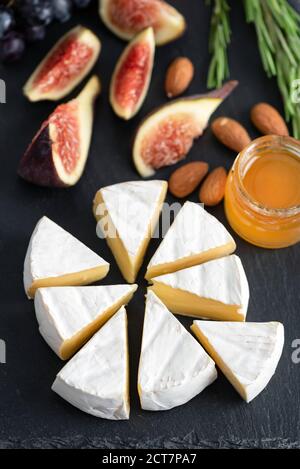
(215, 290)
(55, 258)
(247, 353)
(173, 368)
(69, 316)
(95, 380)
(128, 213)
(194, 237)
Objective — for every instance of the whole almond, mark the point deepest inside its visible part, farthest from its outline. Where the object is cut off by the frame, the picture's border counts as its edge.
(184, 180)
(268, 120)
(179, 75)
(231, 133)
(213, 188)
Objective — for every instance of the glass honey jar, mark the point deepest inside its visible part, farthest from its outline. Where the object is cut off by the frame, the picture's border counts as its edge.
(262, 197)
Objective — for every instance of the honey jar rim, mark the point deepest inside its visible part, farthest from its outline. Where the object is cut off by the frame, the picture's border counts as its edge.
(288, 143)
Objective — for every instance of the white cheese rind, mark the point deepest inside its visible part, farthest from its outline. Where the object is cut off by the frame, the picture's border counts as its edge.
(222, 280)
(131, 206)
(62, 312)
(53, 252)
(173, 368)
(248, 352)
(193, 231)
(95, 380)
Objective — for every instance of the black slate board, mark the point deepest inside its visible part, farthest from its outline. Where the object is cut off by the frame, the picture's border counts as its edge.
(33, 416)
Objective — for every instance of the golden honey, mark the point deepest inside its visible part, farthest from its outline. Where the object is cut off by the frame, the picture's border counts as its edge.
(262, 198)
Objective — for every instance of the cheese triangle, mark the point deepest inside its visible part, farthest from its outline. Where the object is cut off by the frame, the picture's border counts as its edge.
(216, 290)
(173, 368)
(194, 237)
(247, 353)
(95, 380)
(54, 258)
(127, 215)
(69, 316)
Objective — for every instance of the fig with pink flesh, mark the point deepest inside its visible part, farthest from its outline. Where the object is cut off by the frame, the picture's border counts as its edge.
(57, 155)
(166, 135)
(132, 75)
(65, 66)
(126, 18)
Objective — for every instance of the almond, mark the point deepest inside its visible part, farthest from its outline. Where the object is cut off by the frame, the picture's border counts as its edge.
(179, 75)
(213, 188)
(231, 133)
(268, 120)
(184, 180)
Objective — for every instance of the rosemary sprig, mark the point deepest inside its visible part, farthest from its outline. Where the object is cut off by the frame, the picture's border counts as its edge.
(277, 26)
(219, 39)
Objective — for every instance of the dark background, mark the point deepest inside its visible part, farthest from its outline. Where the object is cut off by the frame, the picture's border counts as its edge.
(31, 415)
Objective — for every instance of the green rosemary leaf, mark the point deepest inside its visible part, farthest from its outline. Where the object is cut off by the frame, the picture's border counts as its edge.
(219, 39)
(277, 26)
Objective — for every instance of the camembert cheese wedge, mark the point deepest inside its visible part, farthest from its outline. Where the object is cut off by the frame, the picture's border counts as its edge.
(247, 353)
(95, 380)
(69, 316)
(173, 368)
(127, 214)
(194, 237)
(216, 290)
(55, 258)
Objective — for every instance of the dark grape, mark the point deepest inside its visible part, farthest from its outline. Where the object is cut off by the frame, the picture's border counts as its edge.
(62, 10)
(35, 11)
(30, 18)
(34, 32)
(7, 20)
(81, 3)
(12, 47)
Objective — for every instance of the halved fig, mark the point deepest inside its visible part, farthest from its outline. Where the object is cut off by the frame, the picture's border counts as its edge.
(132, 75)
(57, 155)
(166, 135)
(126, 18)
(65, 66)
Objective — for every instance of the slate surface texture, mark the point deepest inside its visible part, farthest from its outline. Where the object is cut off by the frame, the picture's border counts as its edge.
(31, 415)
